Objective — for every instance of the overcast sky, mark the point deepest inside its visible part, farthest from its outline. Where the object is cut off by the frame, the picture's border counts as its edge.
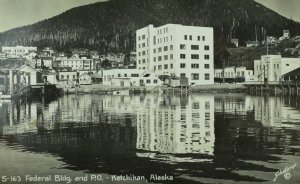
(15, 13)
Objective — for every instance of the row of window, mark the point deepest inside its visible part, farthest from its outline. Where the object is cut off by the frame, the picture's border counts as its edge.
(265, 66)
(190, 37)
(182, 65)
(67, 77)
(193, 47)
(161, 31)
(195, 76)
(162, 40)
(148, 81)
(193, 56)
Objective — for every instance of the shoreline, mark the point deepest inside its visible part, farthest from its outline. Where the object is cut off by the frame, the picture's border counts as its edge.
(102, 89)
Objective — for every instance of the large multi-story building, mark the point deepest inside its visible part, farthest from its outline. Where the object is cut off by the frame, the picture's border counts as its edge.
(18, 51)
(172, 49)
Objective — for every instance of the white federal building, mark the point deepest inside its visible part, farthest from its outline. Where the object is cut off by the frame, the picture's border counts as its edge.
(172, 49)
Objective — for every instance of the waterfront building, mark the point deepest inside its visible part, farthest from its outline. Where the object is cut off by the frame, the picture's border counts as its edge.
(85, 79)
(271, 68)
(18, 51)
(78, 64)
(234, 75)
(49, 77)
(67, 79)
(177, 50)
(130, 77)
(31, 76)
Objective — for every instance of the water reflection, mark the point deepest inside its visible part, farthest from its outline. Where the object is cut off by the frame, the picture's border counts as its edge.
(202, 137)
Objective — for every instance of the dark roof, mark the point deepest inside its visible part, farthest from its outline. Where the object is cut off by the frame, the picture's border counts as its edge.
(294, 72)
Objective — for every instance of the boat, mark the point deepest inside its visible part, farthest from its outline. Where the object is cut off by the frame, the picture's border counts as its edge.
(121, 92)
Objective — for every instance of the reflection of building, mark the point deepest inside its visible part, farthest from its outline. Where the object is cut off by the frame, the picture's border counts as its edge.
(176, 125)
(272, 112)
(237, 105)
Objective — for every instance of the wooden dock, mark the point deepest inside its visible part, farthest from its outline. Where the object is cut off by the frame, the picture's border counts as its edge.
(278, 87)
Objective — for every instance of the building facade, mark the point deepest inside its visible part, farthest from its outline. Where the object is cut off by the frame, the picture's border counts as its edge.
(271, 68)
(18, 51)
(183, 51)
(78, 64)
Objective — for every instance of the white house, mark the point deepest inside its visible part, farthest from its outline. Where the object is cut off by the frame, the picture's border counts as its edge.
(271, 68)
(172, 49)
(78, 64)
(18, 51)
(286, 35)
(31, 76)
(130, 77)
(85, 79)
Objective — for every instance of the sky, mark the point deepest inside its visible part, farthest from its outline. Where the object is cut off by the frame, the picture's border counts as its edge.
(16, 13)
(287, 8)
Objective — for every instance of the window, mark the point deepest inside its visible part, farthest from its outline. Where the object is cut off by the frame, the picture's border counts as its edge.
(199, 37)
(148, 81)
(195, 47)
(143, 37)
(159, 67)
(206, 76)
(139, 53)
(195, 76)
(155, 81)
(165, 66)
(144, 53)
(182, 46)
(185, 37)
(144, 61)
(139, 61)
(287, 64)
(159, 49)
(154, 40)
(159, 58)
(139, 46)
(73, 76)
(171, 56)
(195, 56)
(243, 73)
(171, 65)
(171, 47)
(191, 37)
(134, 75)
(143, 45)
(206, 66)
(154, 68)
(206, 56)
(182, 75)
(154, 50)
(165, 48)
(62, 76)
(182, 56)
(206, 47)
(194, 65)
(139, 37)
(165, 57)
(182, 65)
(203, 38)
(154, 59)
(119, 75)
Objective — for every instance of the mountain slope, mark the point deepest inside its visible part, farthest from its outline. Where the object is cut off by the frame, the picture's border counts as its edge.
(110, 26)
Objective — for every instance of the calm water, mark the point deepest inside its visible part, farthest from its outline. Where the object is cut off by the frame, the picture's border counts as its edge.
(201, 138)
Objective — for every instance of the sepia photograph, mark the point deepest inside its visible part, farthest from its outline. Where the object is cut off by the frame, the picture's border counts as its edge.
(149, 91)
